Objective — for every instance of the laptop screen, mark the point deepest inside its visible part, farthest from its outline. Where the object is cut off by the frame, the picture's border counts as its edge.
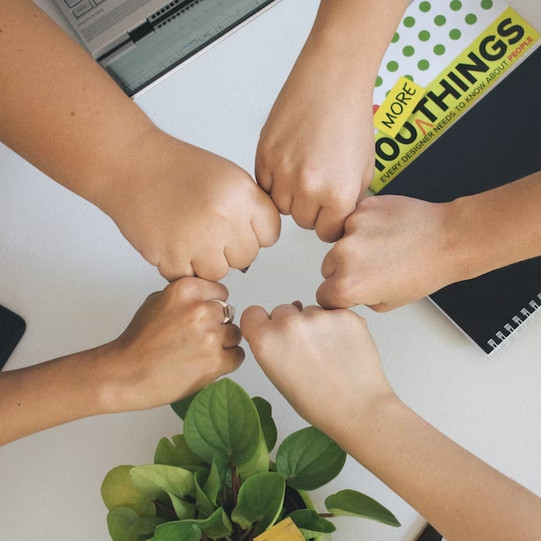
(167, 42)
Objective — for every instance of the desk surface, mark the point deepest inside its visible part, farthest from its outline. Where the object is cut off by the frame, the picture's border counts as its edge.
(77, 282)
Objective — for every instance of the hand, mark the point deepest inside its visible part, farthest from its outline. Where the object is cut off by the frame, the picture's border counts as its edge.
(324, 362)
(316, 152)
(175, 345)
(395, 250)
(190, 212)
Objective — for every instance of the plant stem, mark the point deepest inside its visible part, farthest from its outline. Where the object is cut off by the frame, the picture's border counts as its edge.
(248, 535)
(235, 484)
(166, 509)
(235, 487)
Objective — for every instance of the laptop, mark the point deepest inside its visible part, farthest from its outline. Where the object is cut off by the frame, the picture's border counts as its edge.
(140, 41)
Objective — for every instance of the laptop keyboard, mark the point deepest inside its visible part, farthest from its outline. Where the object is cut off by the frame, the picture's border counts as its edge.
(82, 7)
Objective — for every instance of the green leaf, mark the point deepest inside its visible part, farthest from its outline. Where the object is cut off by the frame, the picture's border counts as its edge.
(124, 525)
(222, 420)
(117, 490)
(310, 523)
(309, 459)
(177, 453)
(180, 407)
(260, 501)
(352, 503)
(257, 464)
(216, 526)
(203, 504)
(264, 409)
(177, 531)
(183, 509)
(158, 477)
(215, 481)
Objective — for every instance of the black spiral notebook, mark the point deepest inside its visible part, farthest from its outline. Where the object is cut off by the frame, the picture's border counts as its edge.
(496, 142)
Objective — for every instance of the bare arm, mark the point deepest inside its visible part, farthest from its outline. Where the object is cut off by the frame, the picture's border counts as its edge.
(316, 152)
(59, 109)
(333, 352)
(398, 249)
(186, 210)
(174, 346)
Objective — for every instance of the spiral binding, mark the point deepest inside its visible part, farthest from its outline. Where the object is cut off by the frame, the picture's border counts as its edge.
(526, 313)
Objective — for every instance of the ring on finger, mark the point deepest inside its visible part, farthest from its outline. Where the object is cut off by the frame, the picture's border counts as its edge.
(229, 311)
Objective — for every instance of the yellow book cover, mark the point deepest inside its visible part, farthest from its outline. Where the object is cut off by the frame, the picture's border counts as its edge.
(444, 57)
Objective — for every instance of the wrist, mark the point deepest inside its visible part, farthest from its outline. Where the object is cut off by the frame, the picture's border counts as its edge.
(120, 168)
(470, 251)
(355, 36)
(102, 383)
(362, 420)
(346, 67)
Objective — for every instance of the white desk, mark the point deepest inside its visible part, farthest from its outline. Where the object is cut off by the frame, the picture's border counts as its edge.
(65, 268)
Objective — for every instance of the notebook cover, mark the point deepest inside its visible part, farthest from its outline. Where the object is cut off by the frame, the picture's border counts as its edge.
(496, 142)
(12, 327)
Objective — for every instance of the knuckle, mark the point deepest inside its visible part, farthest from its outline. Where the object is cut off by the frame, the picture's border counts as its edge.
(308, 181)
(226, 361)
(292, 324)
(341, 201)
(381, 308)
(249, 253)
(184, 289)
(328, 233)
(263, 154)
(200, 312)
(216, 271)
(341, 291)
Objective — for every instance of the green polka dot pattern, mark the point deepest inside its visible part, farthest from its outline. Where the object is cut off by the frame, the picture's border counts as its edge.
(430, 35)
(408, 22)
(440, 20)
(408, 50)
(439, 49)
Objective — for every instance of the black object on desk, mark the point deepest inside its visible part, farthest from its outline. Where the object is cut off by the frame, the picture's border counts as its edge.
(496, 142)
(430, 534)
(12, 327)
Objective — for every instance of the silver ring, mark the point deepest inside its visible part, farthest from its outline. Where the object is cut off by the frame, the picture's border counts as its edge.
(229, 311)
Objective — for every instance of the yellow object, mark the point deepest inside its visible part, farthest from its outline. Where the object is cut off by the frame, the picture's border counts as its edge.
(398, 106)
(283, 531)
(472, 73)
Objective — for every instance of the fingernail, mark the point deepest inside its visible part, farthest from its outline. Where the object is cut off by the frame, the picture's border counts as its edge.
(244, 271)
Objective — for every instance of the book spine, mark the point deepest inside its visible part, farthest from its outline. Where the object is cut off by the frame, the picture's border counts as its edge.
(471, 74)
(517, 321)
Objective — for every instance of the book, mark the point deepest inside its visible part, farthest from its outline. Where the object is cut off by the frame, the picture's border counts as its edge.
(495, 142)
(283, 531)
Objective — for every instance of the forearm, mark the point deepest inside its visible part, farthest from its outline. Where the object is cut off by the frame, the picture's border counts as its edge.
(53, 393)
(356, 34)
(464, 498)
(498, 227)
(59, 109)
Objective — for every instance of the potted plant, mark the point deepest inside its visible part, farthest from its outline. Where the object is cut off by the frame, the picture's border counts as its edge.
(216, 481)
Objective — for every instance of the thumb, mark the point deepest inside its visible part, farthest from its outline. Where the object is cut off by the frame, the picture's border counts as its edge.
(327, 295)
(252, 320)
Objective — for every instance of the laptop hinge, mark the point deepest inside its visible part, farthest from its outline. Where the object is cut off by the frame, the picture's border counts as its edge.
(141, 32)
